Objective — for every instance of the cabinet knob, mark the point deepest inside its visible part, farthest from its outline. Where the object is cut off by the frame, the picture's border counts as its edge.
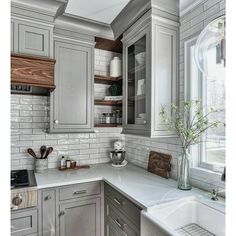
(144, 121)
(17, 200)
(62, 213)
(47, 198)
(55, 121)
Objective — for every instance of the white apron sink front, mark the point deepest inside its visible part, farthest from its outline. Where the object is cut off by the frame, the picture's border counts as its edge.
(187, 216)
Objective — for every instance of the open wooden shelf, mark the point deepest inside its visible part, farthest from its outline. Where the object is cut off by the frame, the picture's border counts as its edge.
(101, 79)
(102, 102)
(107, 125)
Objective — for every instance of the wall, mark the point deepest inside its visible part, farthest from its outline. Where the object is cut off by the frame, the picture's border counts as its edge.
(191, 24)
(29, 121)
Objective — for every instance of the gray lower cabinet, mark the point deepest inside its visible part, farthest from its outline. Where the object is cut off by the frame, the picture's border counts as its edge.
(24, 222)
(71, 103)
(122, 217)
(73, 210)
(80, 218)
(47, 216)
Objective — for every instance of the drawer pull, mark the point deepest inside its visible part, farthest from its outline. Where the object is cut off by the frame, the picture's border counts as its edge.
(117, 201)
(47, 198)
(80, 192)
(62, 213)
(121, 226)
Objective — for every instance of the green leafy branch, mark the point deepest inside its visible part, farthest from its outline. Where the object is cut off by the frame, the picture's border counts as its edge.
(189, 123)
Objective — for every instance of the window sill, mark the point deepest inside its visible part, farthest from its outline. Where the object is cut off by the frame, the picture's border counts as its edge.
(207, 177)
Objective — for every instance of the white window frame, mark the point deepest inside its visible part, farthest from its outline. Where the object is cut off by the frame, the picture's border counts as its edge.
(193, 90)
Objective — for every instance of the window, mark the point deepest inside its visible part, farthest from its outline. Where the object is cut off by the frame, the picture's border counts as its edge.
(211, 91)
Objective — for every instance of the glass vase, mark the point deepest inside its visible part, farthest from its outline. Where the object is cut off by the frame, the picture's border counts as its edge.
(184, 172)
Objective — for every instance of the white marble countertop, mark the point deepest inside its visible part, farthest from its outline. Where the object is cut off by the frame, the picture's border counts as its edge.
(143, 188)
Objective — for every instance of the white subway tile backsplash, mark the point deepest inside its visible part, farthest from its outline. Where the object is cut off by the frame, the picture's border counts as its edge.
(30, 119)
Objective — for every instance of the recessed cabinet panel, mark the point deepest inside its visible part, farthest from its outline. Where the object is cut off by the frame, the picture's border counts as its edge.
(34, 40)
(72, 99)
(48, 199)
(80, 218)
(23, 222)
(165, 72)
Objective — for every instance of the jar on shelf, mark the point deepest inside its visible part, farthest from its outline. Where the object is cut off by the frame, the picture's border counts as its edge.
(108, 118)
(103, 118)
(118, 117)
(113, 117)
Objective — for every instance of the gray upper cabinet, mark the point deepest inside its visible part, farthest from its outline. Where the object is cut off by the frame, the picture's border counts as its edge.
(30, 37)
(80, 218)
(150, 74)
(71, 102)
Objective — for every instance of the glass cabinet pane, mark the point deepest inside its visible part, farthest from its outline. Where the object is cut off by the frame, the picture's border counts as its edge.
(136, 73)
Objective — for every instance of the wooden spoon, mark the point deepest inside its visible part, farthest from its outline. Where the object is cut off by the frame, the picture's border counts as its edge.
(42, 151)
(31, 152)
(49, 150)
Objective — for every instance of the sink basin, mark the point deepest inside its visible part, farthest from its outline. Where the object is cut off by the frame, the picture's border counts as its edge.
(187, 216)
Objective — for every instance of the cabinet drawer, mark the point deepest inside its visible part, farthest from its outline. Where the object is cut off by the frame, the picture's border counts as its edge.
(80, 190)
(129, 208)
(23, 222)
(119, 221)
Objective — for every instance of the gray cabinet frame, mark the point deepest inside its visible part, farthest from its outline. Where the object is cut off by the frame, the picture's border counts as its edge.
(162, 75)
(57, 102)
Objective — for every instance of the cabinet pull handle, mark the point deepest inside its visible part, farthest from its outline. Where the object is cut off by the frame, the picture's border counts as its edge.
(62, 213)
(47, 198)
(55, 121)
(121, 226)
(117, 201)
(80, 192)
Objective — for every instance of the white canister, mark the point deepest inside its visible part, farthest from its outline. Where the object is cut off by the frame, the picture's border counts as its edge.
(115, 67)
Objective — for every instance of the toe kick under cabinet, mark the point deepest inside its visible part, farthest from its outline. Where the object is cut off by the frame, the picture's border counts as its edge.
(74, 210)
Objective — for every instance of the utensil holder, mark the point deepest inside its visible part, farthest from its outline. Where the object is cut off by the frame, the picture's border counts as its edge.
(41, 165)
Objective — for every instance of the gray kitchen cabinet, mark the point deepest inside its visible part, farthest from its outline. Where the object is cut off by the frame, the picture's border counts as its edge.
(12, 36)
(30, 37)
(47, 212)
(150, 72)
(80, 218)
(73, 210)
(110, 230)
(121, 215)
(71, 103)
(24, 222)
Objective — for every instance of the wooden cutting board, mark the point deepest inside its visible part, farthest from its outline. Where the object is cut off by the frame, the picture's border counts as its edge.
(159, 164)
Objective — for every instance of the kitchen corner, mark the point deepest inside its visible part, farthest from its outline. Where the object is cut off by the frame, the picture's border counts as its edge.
(110, 135)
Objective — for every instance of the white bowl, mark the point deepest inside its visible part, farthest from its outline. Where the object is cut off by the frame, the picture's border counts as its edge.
(140, 58)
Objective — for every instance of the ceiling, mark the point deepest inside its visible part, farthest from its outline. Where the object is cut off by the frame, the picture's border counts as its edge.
(106, 10)
(99, 10)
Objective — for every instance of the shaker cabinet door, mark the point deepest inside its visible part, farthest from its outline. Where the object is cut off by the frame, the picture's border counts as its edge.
(47, 218)
(71, 102)
(34, 40)
(82, 218)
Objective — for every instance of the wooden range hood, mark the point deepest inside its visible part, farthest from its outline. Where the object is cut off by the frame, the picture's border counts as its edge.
(32, 71)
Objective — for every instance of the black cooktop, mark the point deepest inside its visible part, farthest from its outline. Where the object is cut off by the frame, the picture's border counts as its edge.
(19, 178)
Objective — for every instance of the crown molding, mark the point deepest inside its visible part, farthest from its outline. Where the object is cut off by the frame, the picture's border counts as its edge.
(190, 7)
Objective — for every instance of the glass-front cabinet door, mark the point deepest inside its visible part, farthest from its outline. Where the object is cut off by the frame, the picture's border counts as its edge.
(136, 81)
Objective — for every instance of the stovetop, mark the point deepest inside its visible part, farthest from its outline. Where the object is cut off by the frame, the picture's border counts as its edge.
(22, 178)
